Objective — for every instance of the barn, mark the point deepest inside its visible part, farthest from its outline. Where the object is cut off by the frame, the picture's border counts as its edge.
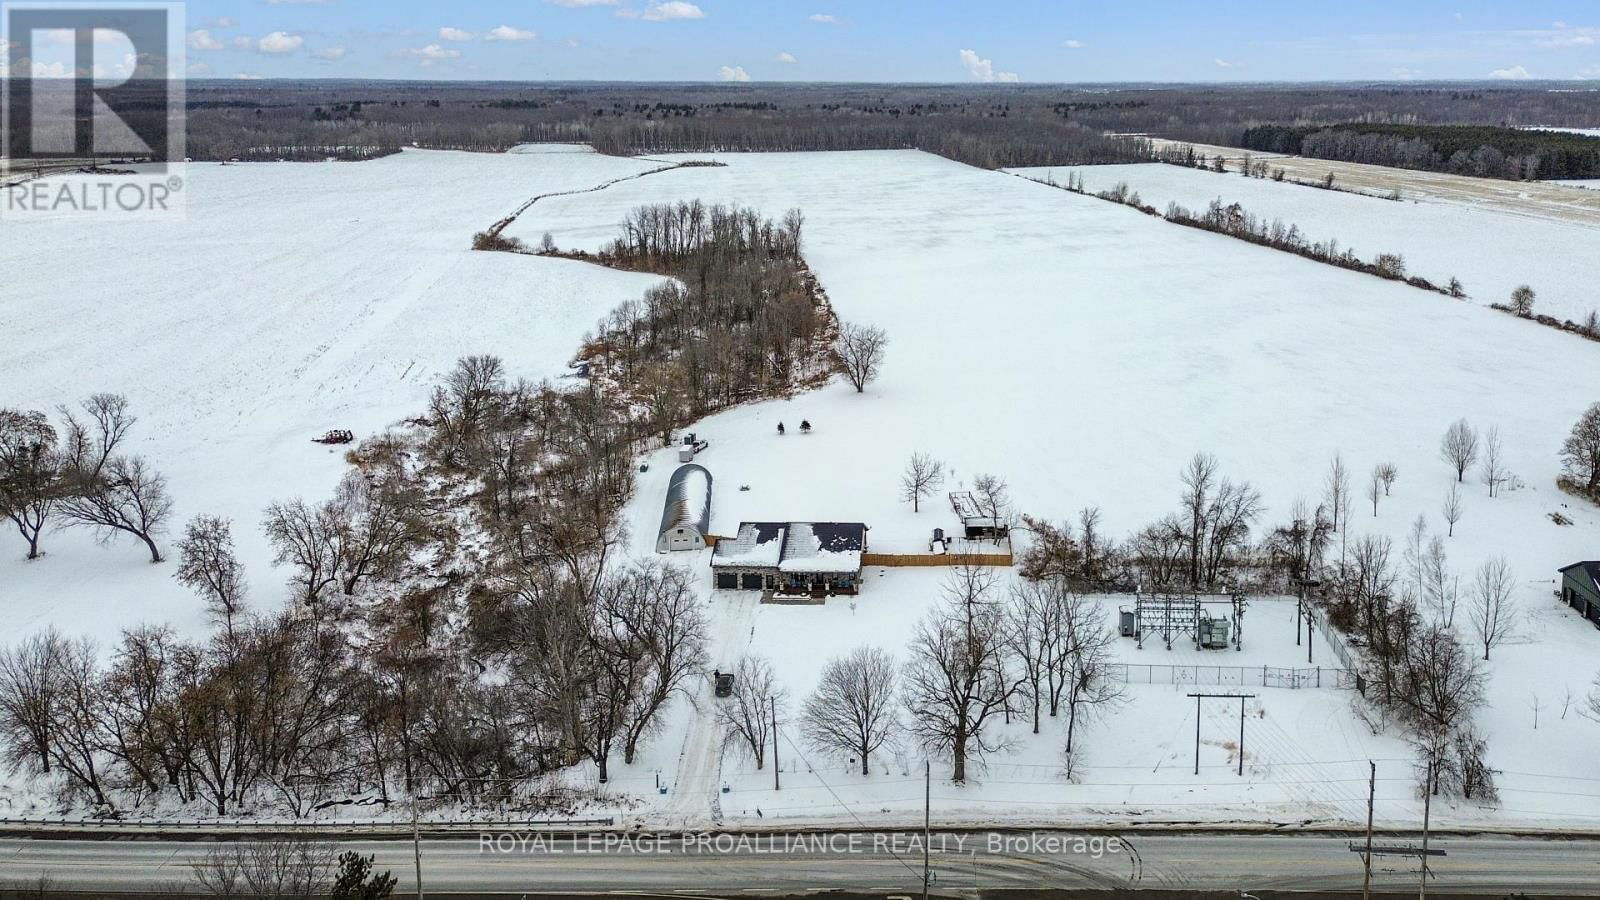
(1580, 589)
(686, 515)
(817, 558)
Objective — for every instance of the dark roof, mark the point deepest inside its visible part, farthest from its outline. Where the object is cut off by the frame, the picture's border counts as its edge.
(1590, 568)
(837, 536)
(747, 547)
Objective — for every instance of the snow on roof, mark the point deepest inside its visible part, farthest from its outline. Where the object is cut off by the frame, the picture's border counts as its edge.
(823, 561)
(758, 544)
(688, 503)
(794, 546)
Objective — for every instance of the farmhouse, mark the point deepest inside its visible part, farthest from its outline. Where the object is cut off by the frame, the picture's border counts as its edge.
(792, 557)
(686, 516)
(1580, 589)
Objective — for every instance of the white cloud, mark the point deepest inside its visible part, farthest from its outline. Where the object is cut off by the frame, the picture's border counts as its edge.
(733, 73)
(199, 68)
(454, 34)
(244, 43)
(1221, 63)
(824, 18)
(508, 33)
(221, 22)
(1513, 73)
(669, 11)
(280, 42)
(1581, 38)
(784, 58)
(1589, 72)
(246, 76)
(331, 54)
(1071, 44)
(983, 70)
(201, 39)
(1405, 74)
(578, 4)
(432, 53)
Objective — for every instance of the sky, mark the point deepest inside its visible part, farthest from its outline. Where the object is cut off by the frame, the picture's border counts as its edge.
(893, 40)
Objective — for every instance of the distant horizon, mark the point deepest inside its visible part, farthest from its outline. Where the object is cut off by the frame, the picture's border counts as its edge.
(861, 42)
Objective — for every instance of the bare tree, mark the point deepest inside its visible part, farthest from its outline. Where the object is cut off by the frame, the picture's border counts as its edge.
(1085, 664)
(208, 566)
(120, 494)
(1459, 448)
(374, 526)
(1199, 478)
(291, 869)
(1580, 453)
(90, 442)
(1451, 509)
(1495, 472)
(922, 477)
(860, 351)
(655, 613)
(1336, 492)
(993, 497)
(30, 473)
(746, 717)
(1375, 489)
(954, 681)
(1035, 636)
(853, 711)
(30, 688)
(1387, 473)
(1492, 616)
(1522, 300)
(304, 536)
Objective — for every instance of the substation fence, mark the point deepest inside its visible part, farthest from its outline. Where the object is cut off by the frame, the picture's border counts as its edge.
(1333, 639)
(1235, 676)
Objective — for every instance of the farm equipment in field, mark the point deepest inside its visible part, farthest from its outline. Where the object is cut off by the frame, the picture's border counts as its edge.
(335, 436)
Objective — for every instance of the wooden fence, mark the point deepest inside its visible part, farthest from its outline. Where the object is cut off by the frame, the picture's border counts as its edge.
(898, 560)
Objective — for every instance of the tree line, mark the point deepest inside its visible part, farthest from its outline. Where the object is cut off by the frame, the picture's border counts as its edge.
(1482, 150)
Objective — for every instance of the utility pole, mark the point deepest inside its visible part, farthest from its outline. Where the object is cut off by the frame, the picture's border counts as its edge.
(1366, 856)
(1427, 803)
(776, 784)
(927, 816)
(1197, 698)
(416, 842)
(1241, 737)
(1197, 734)
(1308, 636)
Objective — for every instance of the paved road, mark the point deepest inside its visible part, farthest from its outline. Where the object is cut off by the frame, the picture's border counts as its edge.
(887, 865)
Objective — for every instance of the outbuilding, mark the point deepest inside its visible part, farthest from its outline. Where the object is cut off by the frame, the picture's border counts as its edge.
(686, 516)
(1580, 589)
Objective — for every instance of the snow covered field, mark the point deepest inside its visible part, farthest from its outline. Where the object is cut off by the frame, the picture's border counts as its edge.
(1491, 250)
(1084, 351)
(296, 298)
(1075, 347)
